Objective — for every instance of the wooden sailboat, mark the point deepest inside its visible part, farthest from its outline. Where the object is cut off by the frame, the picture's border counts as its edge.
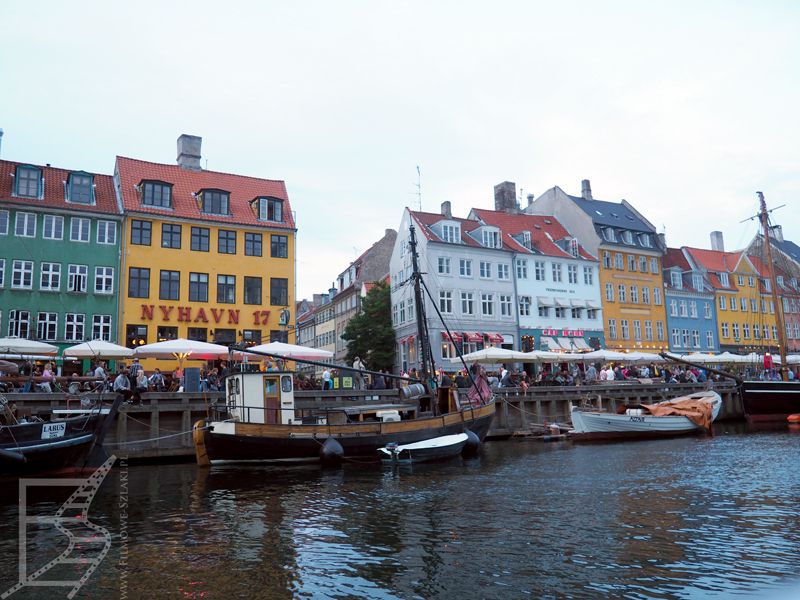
(771, 400)
(261, 422)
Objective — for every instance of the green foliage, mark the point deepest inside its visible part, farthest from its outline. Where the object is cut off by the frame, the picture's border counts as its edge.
(369, 334)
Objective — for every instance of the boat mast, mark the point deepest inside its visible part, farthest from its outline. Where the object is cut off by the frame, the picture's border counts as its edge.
(763, 216)
(422, 322)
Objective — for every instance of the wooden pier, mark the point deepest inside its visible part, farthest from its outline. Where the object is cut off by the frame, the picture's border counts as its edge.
(160, 428)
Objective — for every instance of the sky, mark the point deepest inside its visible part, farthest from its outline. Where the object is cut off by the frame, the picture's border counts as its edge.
(685, 109)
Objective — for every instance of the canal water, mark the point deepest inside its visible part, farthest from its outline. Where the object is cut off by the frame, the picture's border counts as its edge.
(682, 518)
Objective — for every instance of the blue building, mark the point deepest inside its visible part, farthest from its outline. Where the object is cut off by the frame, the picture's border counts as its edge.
(691, 311)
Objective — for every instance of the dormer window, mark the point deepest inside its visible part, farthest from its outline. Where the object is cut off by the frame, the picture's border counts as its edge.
(156, 193)
(270, 209)
(80, 188)
(609, 234)
(676, 280)
(490, 238)
(451, 233)
(697, 282)
(723, 279)
(573, 247)
(644, 240)
(215, 202)
(627, 237)
(526, 239)
(767, 286)
(780, 280)
(28, 182)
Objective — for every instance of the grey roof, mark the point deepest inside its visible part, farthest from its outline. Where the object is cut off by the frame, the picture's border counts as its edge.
(789, 248)
(613, 214)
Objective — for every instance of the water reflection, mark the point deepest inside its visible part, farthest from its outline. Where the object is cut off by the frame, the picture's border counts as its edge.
(678, 518)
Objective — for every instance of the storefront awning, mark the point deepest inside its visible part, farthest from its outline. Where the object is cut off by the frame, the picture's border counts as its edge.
(548, 343)
(408, 339)
(581, 344)
(592, 304)
(562, 302)
(454, 337)
(570, 344)
(472, 336)
(545, 301)
(577, 303)
(494, 338)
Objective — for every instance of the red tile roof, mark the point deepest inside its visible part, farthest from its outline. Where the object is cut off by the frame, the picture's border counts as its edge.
(54, 194)
(674, 257)
(716, 261)
(243, 190)
(544, 229)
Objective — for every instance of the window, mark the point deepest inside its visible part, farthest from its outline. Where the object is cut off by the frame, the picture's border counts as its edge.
(446, 301)
(767, 286)
(740, 280)
(170, 235)
(619, 262)
(465, 267)
(505, 305)
(631, 262)
(166, 332)
(627, 237)
(635, 294)
(556, 270)
(53, 227)
(753, 305)
(574, 247)
(766, 332)
(624, 329)
(198, 287)
(503, 271)
(25, 225)
(648, 330)
(538, 270)
(28, 182)
(676, 280)
(725, 330)
(610, 292)
(157, 193)
(138, 283)
(485, 270)
(279, 291)
(660, 330)
(572, 273)
(252, 290)
(743, 304)
(467, 303)
(588, 275)
(106, 232)
(609, 234)
(279, 245)
(723, 279)
(612, 329)
(735, 331)
(591, 314)
(101, 327)
(606, 259)
(451, 233)
(215, 202)
(707, 310)
(491, 238)
(637, 330)
(169, 285)
(80, 188)
(746, 331)
(226, 289)
(693, 309)
(643, 264)
(4, 222)
(104, 280)
(46, 326)
(657, 296)
(676, 337)
(697, 282)
(645, 295)
(621, 292)
(684, 312)
(79, 230)
(226, 244)
(709, 339)
(74, 330)
(487, 305)
(732, 303)
(270, 209)
(19, 322)
(645, 240)
(135, 335)
(522, 268)
(576, 313)
(200, 239)
(50, 280)
(561, 312)
(22, 275)
(141, 232)
(751, 282)
(654, 265)
(673, 308)
(544, 311)
(524, 306)
(722, 302)
(444, 265)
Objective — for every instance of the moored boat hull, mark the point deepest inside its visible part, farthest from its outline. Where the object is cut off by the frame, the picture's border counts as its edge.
(764, 401)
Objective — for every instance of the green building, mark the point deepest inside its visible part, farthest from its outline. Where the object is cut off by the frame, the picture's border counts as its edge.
(59, 254)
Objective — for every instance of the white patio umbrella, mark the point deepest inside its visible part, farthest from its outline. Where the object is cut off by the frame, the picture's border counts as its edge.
(604, 355)
(492, 355)
(14, 345)
(291, 351)
(535, 356)
(643, 357)
(182, 349)
(98, 349)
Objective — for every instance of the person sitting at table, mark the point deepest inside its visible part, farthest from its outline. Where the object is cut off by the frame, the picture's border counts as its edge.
(142, 383)
(213, 380)
(46, 385)
(157, 381)
(122, 384)
(74, 384)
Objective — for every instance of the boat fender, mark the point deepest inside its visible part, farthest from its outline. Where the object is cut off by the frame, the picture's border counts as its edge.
(14, 456)
(472, 446)
(795, 418)
(331, 452)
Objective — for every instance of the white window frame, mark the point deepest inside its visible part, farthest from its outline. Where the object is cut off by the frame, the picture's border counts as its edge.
(22, 270)
(51, 223)
(505, 305)
(104, 280)
(47, 326)
(106, 233)
(503, 271)
(51, 271)
(5, 217)
(75, 327)
(485, 270)
(446, 302)
(101, 327)
(572, 273)
(465, 267)
(556, 272)
(76, 226)
(522, 268)
(524, 306)
(25, 227)
(467, 303)
(588, 275)
(539, 271)
(444, 265)
(487, 304)
(77, 277)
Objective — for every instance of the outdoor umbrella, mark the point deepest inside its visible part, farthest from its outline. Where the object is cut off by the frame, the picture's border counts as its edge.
(9, 368)
(13, 345)
(291, 351)
(182, 349)
(98, 349)
(605, 355)
(493, 355)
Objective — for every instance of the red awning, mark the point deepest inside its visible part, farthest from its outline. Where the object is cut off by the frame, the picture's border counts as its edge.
(494, 338)
(407, 339)
(473, 336)
(454, 337)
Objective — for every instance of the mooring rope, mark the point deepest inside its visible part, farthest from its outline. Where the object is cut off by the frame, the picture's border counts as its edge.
(163, 437)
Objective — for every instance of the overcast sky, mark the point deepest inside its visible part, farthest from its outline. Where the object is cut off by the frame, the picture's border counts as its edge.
(685, 109)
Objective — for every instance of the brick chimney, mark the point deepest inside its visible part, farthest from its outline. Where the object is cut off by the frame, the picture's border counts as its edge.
(530, 199)
(586, 190)
(717, 242)
(505, 197)
(446, 209)
(189, 151)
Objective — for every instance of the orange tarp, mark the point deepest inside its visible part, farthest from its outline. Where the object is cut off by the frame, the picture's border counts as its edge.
(697, 411)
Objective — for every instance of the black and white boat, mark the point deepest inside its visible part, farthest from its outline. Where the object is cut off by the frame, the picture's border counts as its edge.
(439, 448)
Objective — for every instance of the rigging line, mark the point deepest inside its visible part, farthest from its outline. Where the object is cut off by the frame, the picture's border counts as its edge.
(462, 324)
(163, 437)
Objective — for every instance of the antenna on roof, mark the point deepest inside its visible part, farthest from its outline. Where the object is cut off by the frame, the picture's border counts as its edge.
(419, 188)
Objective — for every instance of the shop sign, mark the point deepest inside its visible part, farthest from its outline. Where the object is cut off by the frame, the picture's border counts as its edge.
(190, 314)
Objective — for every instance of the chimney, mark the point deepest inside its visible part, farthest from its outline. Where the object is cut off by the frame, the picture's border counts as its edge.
(189, 151)
(662, 238)
(505, 197)
(716, 241)
(446, 209)
(332, 292)
(775, 232)
(530, 199)
(586, 190)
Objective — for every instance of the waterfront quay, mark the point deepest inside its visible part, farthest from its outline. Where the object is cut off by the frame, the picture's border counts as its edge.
(160, 428)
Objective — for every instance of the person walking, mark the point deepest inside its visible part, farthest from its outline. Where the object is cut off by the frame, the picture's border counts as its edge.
(357, 375)
(326, 379)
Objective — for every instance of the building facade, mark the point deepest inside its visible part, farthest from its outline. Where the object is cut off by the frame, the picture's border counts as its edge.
(59, 254)
(630, 264)
(206, 256)
(691, 314)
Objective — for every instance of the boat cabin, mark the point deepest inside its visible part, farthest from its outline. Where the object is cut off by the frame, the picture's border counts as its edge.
(265, 398)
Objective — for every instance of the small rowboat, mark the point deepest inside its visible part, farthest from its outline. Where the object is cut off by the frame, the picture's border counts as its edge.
(438, 448)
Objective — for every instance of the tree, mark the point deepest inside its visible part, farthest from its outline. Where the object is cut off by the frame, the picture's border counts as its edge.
(369, 334)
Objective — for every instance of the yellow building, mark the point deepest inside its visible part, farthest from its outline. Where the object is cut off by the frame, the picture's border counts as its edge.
(745, 310)
(205, 256)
